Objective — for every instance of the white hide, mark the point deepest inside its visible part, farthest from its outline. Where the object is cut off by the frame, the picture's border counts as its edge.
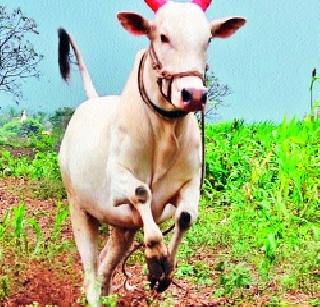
(115, 144)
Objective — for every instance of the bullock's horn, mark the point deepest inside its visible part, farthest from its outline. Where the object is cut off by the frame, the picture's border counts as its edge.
(155, 4)
(204, 4)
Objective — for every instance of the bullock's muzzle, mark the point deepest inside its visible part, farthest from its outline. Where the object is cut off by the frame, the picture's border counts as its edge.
(193, 100)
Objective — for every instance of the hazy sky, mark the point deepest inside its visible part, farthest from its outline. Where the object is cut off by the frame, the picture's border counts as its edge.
(267, 64)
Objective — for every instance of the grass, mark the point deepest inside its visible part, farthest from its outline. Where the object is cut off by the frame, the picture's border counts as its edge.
(24, 240)
(261, 204)
(258, 231)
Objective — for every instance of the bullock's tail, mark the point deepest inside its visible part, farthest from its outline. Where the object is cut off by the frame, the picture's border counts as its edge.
(65, 41)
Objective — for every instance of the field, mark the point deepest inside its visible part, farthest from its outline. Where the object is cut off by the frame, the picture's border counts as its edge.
(256, 242)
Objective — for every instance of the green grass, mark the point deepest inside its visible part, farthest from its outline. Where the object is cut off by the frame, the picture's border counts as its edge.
(23, 240)
(259, 211)
(261, 203)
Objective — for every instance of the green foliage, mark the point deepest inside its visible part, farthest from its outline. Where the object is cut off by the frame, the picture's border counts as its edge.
(315, 302)
(184, 269)
(315, 103)
(4, 287)
(31, 133)
(23, 239)
(233, 277)
(259, 211)
(261, 199)
(27, 151)
(198, 272)
(25, 233)
(110, 300)
(60, 119)
(62, 213)
(43, 165)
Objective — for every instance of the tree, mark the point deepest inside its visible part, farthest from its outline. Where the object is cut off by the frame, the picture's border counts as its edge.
(216, 92)
(18, 59)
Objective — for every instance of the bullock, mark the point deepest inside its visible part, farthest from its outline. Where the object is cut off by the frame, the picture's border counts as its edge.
(134, 160)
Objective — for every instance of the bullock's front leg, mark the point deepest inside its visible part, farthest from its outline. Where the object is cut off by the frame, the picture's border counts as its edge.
(185, 216)
(155, 249)
(126, 186)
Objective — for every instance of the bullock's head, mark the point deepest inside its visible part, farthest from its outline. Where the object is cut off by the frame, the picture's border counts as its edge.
(180, 35)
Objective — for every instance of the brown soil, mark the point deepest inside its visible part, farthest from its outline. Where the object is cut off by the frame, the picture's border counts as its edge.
(58, 281)
(21, 152)
(49, 283)
(46, 287)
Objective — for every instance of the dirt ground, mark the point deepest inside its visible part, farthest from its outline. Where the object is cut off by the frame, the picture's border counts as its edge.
(43, 283)
(59, 281)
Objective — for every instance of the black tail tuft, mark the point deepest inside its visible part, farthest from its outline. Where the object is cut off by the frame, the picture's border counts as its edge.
(64, 53)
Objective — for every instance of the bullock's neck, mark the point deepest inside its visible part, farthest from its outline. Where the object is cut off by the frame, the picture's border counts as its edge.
(134, 105)
(168, 134)
(164, 137)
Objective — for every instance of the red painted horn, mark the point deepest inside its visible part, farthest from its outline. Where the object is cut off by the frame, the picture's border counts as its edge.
(155, 4)
(204, 4)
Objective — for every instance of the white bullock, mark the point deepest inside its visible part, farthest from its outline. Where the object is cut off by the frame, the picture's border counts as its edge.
(134, 160)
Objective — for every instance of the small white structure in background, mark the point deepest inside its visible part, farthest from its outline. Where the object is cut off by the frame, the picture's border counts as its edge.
(23, 116)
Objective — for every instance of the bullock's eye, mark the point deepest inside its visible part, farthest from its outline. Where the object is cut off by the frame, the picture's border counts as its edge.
(164, 39)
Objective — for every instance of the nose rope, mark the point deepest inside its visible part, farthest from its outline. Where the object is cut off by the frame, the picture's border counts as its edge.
(170, 76)
(165, 113)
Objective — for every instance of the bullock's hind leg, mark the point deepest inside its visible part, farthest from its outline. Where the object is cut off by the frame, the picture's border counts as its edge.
(116, 248)
(85, 229)
(186, 214)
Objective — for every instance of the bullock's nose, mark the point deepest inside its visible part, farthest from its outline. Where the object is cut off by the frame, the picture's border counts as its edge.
(190, 95)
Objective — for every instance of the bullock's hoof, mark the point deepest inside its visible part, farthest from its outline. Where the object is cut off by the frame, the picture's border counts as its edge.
(184, 221)
(162, 285)
(159, 273)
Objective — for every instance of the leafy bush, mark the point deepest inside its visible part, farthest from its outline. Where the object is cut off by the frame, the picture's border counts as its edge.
(43, 165)
(22, 128)
(233, 277)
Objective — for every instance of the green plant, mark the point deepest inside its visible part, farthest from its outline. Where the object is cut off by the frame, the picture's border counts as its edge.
(62, 213)
(232, 278)
(197, 271)
(110, 300)
(314, 105)
(183, 270)
(4, 287)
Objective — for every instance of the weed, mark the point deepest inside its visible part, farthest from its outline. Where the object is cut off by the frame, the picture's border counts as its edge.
(110, 300)
(232, 278)
(197, 271)
(4, 287)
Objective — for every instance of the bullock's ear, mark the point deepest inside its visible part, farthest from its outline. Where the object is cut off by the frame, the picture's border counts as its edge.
(134, 23)
(226, 27)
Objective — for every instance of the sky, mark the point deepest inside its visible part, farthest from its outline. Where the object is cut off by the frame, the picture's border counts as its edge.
(267, 64)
